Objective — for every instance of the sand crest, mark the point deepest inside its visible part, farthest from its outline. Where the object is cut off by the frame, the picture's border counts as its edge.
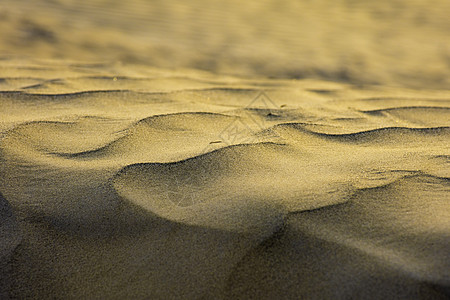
(220, 189)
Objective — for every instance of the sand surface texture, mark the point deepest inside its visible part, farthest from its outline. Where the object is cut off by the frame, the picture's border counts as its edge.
(399, 42)
(208, 149)
(136, 182)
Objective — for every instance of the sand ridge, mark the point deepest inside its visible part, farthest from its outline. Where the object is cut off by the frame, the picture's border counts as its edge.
(173, 185)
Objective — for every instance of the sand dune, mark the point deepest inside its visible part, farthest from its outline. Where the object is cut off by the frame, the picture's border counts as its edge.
(194, 185)
(386, 250)
(270, 149)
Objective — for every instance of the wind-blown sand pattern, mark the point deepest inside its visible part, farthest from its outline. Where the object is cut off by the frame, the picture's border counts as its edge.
(122, 181)
(207, 149)
(395, 42)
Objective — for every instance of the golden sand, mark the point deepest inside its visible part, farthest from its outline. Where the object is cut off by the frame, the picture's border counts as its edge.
(304, 188)
(143, 179)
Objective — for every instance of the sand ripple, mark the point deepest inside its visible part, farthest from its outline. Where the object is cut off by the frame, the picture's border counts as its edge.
(167, 182)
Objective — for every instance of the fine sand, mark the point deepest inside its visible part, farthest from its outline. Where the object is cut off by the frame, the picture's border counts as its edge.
(124, 181)
(395, 42)
(208, 149)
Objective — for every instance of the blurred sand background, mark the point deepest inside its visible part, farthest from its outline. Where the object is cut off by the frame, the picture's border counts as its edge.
(397, 42)
(224, 149)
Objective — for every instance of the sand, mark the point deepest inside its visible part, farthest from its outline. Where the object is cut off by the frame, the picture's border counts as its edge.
(395, 42)
(238, 150)
(167, 185)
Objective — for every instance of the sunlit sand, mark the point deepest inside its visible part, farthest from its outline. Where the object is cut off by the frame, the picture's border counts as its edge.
(127, 178)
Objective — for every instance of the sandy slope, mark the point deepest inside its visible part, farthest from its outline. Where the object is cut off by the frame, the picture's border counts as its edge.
(127, 181)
